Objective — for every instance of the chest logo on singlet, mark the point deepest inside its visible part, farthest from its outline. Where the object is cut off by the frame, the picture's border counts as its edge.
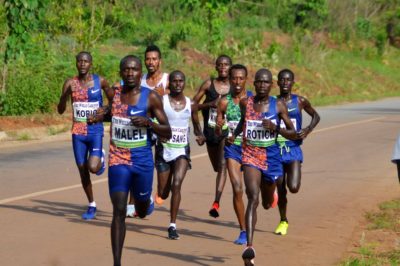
(136, 112)
(94, 91)
(82, 110)
(125, 135)
(291, 109)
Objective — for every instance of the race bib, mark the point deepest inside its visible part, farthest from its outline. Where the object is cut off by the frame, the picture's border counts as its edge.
(125, 135)
(212, 117)
(232, 126)
(257, 135)
(293, 122)
(82, 110)
(179, 137)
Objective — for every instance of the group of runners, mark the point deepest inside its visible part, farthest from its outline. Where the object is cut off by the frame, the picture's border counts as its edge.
(253, 138)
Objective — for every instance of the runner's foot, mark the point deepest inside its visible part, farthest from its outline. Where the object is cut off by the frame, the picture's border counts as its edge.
(172, 234)
(242, 239)
(248, 256)
(214, 210)
(282, 228)
(90, 213)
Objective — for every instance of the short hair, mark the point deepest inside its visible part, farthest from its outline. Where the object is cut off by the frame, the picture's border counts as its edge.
(237, 67)
(286, 70)
(129, 58)
(223, 56)
(175, 72)
(153, 48)
(83, 53)
(262, 71)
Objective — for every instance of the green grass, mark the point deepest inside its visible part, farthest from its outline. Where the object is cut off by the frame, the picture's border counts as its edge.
(387, 218)
(54, 130)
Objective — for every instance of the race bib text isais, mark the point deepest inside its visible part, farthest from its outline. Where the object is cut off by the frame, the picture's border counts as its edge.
(124, 135)
(179, 137)
(82, 110)
(257, 135)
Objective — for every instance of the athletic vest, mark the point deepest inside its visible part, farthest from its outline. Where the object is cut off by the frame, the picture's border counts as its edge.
(233, 116)
(85, 102)
(179, 122)
(210, 114)
(295, 117)
(254, 133)
(129, 144)
(162, 83)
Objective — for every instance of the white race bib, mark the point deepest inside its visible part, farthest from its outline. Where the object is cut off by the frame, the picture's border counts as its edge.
(257, 135)
(179, 137)
(82, 110)
(212, 117)
(125, 135)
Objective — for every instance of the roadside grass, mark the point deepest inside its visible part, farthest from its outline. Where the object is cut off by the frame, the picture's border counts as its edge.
(387, 219)
(54, 130)
(25, 136)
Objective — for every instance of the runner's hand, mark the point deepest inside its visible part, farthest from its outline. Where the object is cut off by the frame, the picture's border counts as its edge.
(98, 117)
(303, 133)
(140, 121)
(267, 124)
(200, 140)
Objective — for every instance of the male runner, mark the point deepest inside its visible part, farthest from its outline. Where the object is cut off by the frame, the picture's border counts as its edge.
(229, 112)
(155, 80)
(85, 92)
(131, 158)
(213, 89)
(173, 155)
(292, 156)
(260, 120)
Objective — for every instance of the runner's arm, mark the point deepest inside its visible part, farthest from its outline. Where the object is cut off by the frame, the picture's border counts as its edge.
(239, 127)
(200, 94)
(315, 118)
(65, 93)
(162, 128)
(200, 139)
(289, 132)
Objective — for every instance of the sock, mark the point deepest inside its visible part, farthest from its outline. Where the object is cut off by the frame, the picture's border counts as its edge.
(173, 225)
(92, 204)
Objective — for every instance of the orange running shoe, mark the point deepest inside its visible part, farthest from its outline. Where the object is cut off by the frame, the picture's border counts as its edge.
(159, 200)
(214, 210)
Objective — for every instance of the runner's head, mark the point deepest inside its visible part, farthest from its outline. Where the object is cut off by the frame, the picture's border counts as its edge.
(152, 59)
(222, 65)
(130, 69)
(176, 82)
(263, 82)
(83, 62)
(285, 81)
(237, 78)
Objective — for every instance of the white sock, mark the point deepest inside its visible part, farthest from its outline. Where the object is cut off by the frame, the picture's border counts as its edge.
(173, 225)
(92, 204)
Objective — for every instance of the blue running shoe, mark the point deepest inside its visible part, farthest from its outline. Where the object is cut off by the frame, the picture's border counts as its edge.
(90, 213)
(150, 209)
(242, 239)
(103, 165)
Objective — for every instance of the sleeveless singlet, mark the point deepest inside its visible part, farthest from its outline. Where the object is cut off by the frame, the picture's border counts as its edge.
(129, 144)
(179, 122)
(296, 118)
(255, 138)
(85, 101)
(233, 116)
(162, 83)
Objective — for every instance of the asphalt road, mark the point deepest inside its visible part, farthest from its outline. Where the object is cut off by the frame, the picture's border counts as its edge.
(347, 171)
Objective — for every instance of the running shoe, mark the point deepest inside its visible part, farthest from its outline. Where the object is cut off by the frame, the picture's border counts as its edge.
(172, 234)
(150, 209)
(282, 228)
(214, 210)
(90, 213)
(130, 210)
(159, 200)
(103, 165)
(248, 256)
(242, 239)
(275, 202)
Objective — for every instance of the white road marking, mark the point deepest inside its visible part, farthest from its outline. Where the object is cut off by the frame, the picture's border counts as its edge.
(39, 193)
